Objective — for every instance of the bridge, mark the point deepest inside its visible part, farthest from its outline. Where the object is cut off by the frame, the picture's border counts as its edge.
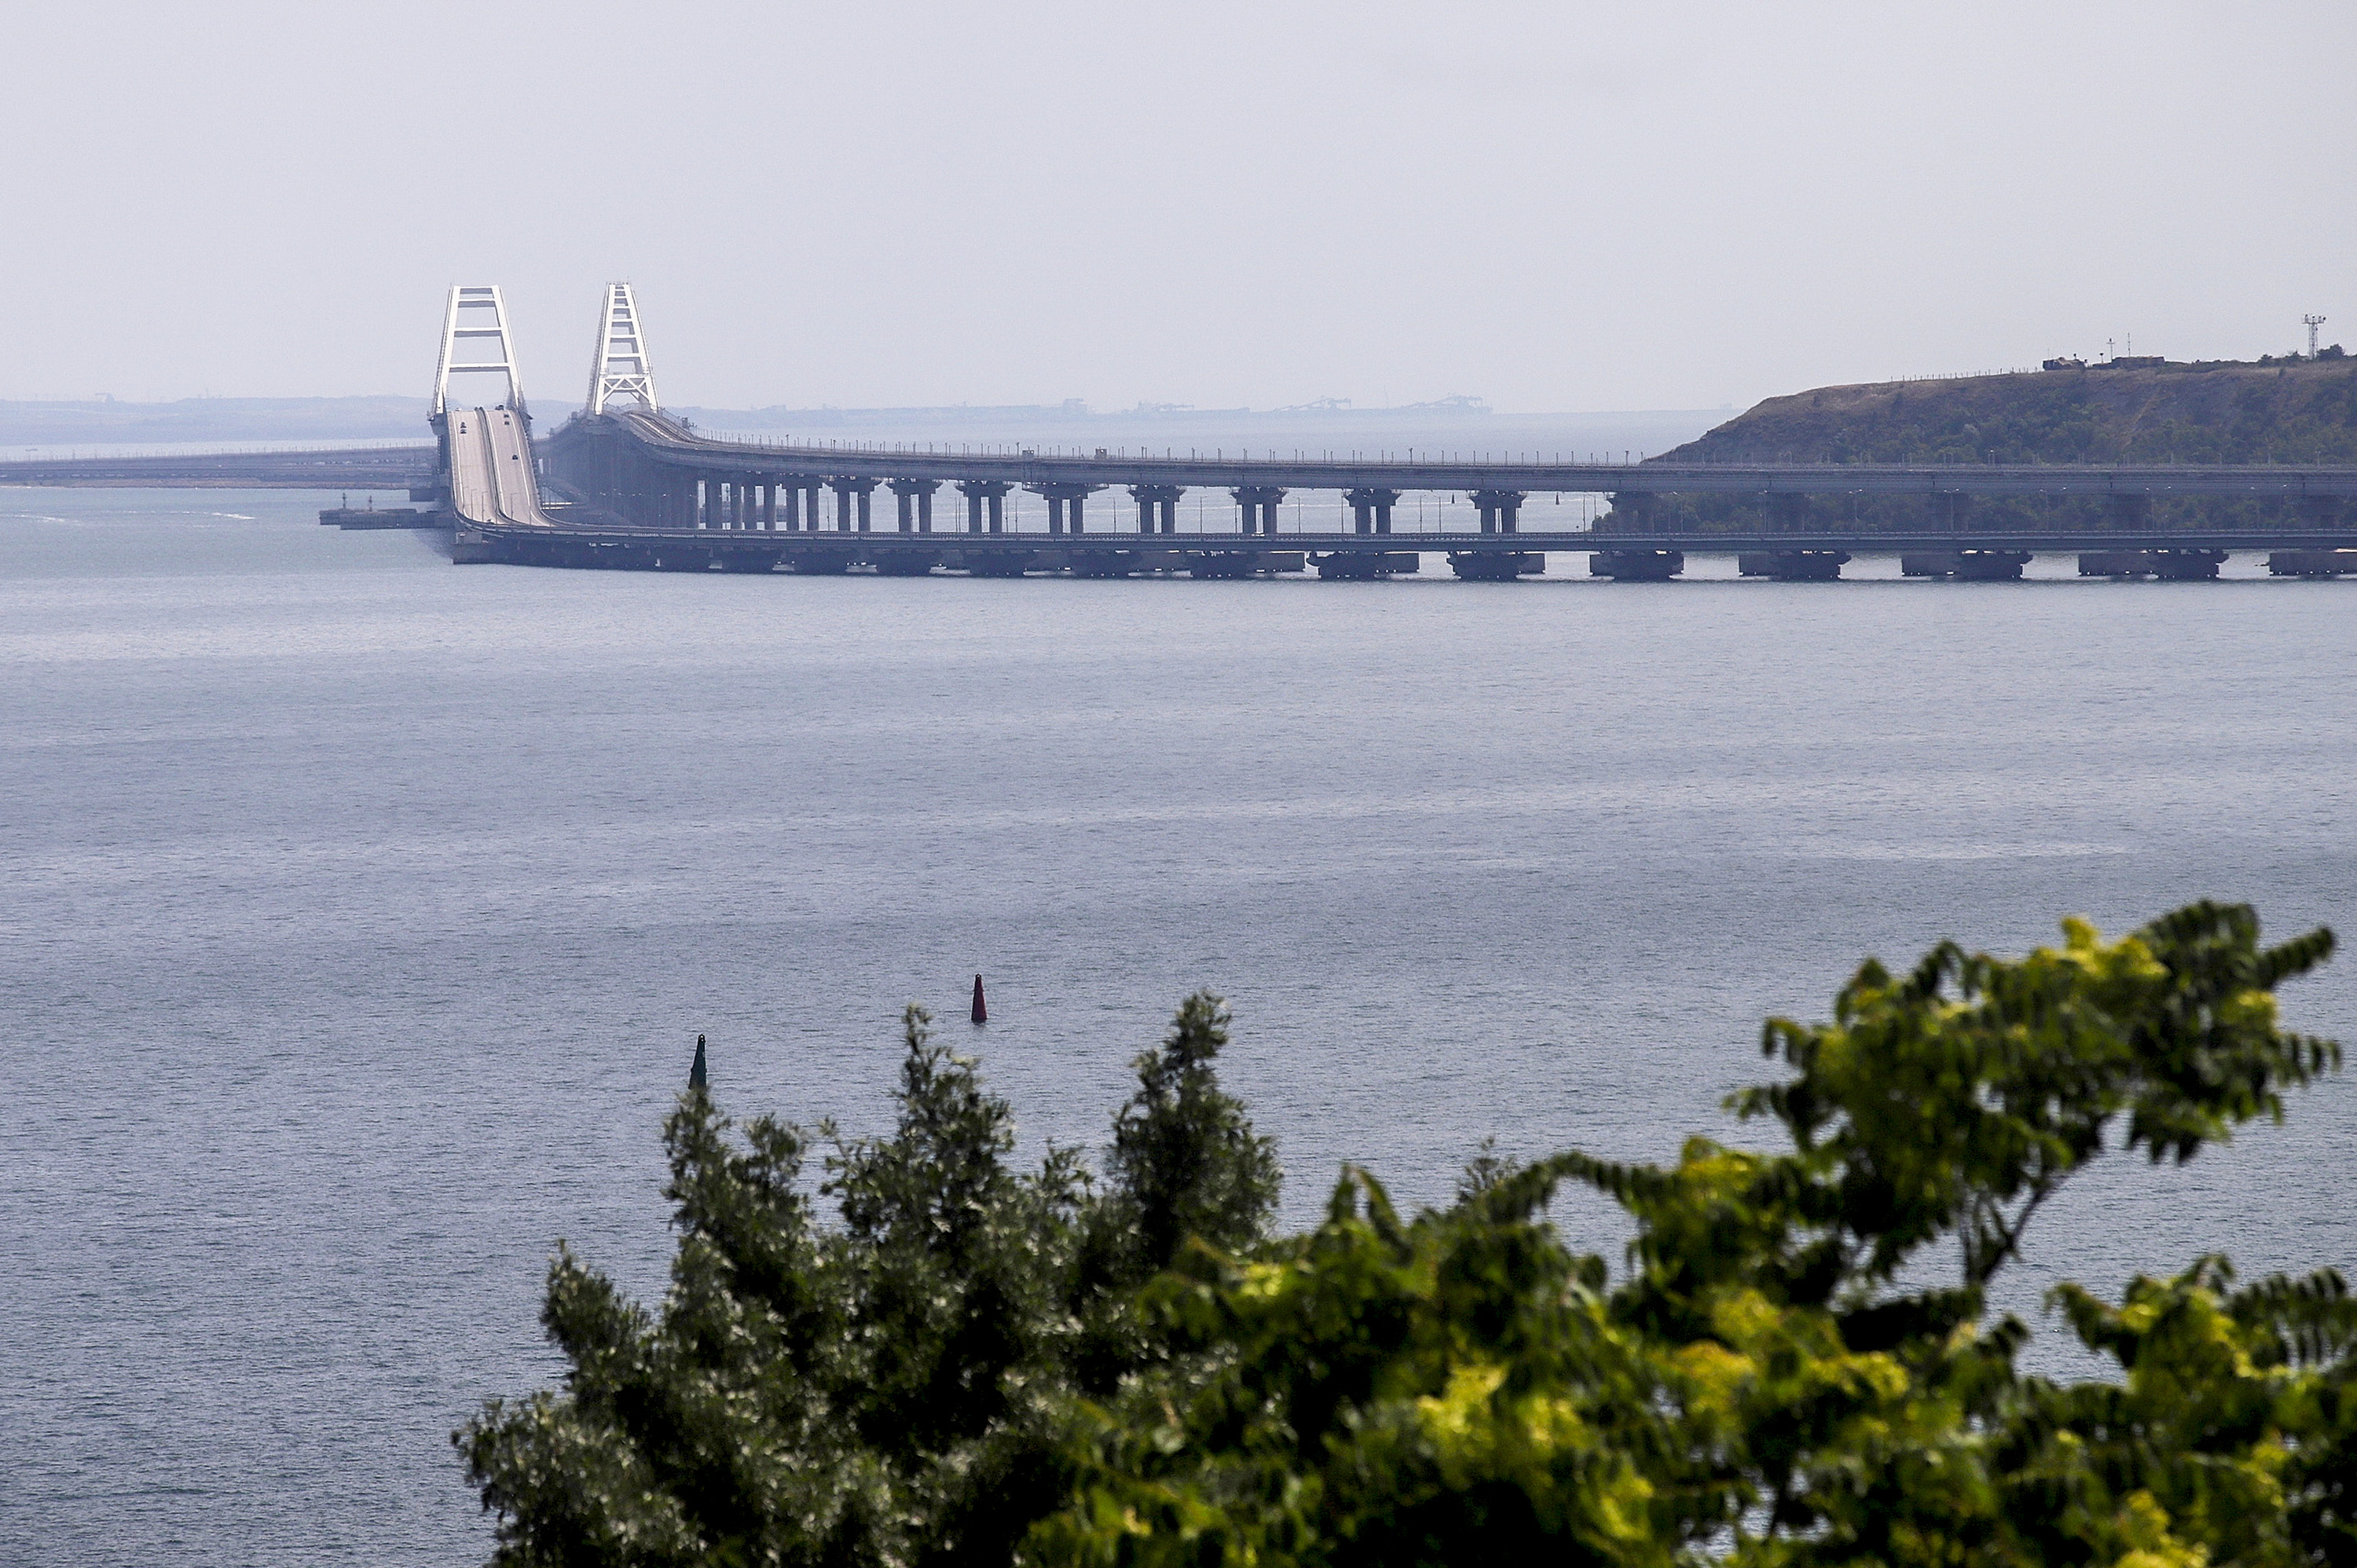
(620, 484)
(404, 467)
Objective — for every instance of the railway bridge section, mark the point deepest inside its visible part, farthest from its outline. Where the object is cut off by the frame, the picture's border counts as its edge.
(641, 488)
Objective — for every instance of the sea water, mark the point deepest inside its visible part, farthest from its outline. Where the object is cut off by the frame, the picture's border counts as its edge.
(362, 913)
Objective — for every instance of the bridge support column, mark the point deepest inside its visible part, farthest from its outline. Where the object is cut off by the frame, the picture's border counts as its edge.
(1371, 510)
(915, 499)
(1066, 506)
(1498, 510)
(770, 506)
(1157, 503)
(1258, 504)
(852, 496)
(986, 504)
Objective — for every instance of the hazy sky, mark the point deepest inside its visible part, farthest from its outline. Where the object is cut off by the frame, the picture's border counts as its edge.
(1557, 207)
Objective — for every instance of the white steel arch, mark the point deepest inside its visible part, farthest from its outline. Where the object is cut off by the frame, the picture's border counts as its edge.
(619, 368)
(465, 321)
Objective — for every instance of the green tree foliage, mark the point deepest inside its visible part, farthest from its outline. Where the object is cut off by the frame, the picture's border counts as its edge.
(893, 1387)
(1796, 1366)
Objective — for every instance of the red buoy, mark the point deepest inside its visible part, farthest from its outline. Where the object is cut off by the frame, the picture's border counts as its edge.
(980, 1012)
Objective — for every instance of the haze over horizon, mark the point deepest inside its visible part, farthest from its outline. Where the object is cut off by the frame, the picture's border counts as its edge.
(1555, 208)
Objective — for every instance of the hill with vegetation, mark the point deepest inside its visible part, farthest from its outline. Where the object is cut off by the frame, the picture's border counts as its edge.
(2289, 411)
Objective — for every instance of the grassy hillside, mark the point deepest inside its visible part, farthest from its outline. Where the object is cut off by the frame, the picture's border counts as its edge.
(2297, 413)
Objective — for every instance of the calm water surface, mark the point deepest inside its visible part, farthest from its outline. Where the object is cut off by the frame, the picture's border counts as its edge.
(362, 913)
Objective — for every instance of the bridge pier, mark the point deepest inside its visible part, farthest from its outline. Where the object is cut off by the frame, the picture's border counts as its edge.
(1157, 503)
(1371, 510)
(845, 489)
(915, 499)
(1489, 566)
(1258, 505)
(1498, 510)
(2187, 565)
(1794, 565)
(985, 497)
(1965, 565)
(1637, 565)
(2312, 562)
(1066, 505)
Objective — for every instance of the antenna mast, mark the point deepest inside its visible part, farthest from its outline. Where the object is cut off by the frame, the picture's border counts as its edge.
(2311, 323)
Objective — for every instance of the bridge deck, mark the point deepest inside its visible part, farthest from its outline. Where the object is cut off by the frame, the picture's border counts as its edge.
(491, 477)
(673, 446)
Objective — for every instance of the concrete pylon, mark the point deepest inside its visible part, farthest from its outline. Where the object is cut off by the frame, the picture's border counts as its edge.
(619, 367)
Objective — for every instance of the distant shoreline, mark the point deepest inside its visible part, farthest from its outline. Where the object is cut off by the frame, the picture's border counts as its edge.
(213, 422)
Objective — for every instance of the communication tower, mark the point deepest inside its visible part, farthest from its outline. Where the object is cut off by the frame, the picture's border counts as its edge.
(2312, 323)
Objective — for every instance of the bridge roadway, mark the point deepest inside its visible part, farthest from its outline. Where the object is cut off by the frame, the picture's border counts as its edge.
(493, 475)
(399, 467)
(1813, 556)
(668, 444)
